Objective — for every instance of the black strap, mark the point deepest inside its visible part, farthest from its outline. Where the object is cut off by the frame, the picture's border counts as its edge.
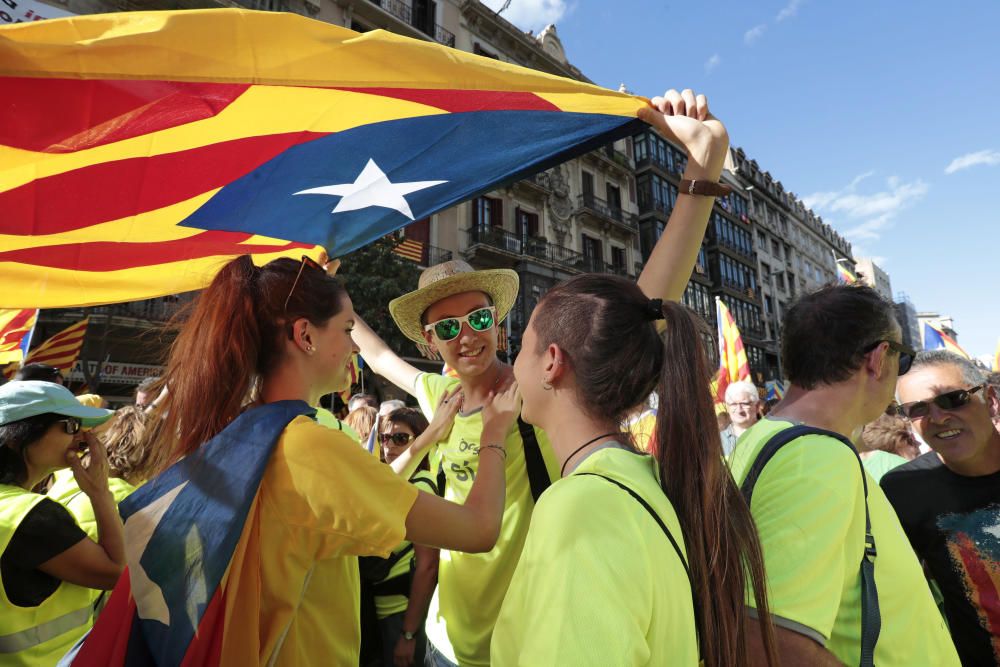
(538, 474)
(673, 543)
(871, 617)
(398, 585)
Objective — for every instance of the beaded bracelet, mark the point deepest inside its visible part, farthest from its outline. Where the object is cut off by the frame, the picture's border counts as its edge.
(500, 448)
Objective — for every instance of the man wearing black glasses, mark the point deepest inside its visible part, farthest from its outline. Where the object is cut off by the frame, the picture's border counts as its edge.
(844, 584)
(948, 500)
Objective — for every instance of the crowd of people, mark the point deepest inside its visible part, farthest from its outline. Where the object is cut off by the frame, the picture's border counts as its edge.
(514, 517)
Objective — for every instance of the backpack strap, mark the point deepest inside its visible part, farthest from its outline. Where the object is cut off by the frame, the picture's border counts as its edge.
(673, 543)
(871, 617)
(538, 474)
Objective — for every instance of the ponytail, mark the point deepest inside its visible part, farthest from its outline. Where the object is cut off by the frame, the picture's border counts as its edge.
(719, 532)
(229, 339)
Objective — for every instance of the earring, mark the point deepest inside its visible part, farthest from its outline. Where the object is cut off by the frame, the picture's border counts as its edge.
(310, 349)
(546, 386)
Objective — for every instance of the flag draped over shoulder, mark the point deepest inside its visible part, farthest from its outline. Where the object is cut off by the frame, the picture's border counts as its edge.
(733, 365)
(183, 532)
(63, 349)
(935, 339)
(15, 333)
(141, 150)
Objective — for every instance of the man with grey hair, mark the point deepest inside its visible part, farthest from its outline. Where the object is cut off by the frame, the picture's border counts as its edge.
(948, 500)
(741, 404)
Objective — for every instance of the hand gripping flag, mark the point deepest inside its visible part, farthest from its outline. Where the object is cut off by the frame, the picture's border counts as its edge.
(935, 339)
(733, 365)
(63, 349)
(186, 546)
(16, 325)
(141, 150)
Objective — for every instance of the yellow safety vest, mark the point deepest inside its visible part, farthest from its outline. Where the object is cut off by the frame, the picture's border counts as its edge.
(41, 635)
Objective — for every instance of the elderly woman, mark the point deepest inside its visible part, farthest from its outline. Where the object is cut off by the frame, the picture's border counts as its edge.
(741, 404)
(48, 564)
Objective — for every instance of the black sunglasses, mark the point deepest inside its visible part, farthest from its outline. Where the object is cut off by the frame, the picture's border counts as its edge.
(398, 439)
(72, 426)
(951, 400)
(906, 354)
(305, 260)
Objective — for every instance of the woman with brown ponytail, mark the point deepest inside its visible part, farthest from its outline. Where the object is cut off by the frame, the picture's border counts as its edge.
(276, 338)
(630, 559)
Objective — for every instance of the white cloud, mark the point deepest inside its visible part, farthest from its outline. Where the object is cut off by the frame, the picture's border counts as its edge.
(869, 213)
(754, 33)
(790, 10)
(531, 14)
(987, 157)
(712, 63)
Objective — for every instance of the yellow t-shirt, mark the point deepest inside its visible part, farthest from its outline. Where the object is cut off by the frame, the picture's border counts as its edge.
(66, 492)
(471, 587)
(809, 508)
(329, 420)
(598, 582)
(323, 501)
(387, 605)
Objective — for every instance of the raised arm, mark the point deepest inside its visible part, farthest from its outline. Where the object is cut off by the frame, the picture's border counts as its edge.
(381, 359)
(683, 118)
(439, 428)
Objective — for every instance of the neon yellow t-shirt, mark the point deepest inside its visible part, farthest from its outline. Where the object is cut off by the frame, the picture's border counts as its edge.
(66, 492)
(387, 605)
(598, 582)
(471, 587)
(809, 508)
(329, 420)
(323, 501)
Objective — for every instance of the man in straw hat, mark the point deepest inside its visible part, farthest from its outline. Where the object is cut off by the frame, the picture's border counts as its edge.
(457, 311)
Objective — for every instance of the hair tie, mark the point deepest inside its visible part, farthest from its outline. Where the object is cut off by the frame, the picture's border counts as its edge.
(654, 310)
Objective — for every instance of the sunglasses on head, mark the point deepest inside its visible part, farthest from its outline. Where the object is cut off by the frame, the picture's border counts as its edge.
(906, 354)
(72, 426)
(951, 400)
(305, 260)
(449, 328)
(398, 439)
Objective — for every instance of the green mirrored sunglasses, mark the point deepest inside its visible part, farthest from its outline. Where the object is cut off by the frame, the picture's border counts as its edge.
(449, 328)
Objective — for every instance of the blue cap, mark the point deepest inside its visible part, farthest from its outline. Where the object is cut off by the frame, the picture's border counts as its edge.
(21, 399)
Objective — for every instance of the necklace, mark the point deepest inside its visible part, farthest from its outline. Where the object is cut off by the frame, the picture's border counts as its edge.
(562, 471)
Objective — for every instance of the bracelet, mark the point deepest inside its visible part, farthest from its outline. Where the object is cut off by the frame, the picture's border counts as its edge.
(500, 449)
(687, 186)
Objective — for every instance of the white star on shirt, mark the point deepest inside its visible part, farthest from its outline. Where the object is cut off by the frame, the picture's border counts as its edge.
(372, 188)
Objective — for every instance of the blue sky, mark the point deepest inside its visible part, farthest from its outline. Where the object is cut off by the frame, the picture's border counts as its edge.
(858, 107)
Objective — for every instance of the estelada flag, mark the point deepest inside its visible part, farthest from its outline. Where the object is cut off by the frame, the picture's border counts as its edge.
(63, 349)
(845, 275)
(15, 329)
(141, 150)
(733, 365)
(936, 339)
(187, 550)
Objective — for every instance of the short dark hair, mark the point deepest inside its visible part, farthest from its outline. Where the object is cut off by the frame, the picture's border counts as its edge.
(410, 417)
(42, 372)
(15, 438)
(827, 332)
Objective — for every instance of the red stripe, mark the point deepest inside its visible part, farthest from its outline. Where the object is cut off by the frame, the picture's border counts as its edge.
(17, 326)
(66, 115)
(122, 188)
(110, 256)
(62, 353)
(107, 643)
(205, 649)
(982, 583)
(458, 101)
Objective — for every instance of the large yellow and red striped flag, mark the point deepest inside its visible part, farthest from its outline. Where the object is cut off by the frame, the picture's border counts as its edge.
(15, 333)
(141, 150)
(733, 364)
(63, 349)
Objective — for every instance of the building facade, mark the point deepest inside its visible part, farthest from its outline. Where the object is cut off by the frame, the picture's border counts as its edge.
(871, 274)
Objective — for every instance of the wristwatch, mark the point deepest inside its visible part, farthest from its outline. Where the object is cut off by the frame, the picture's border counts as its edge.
(409, 636)
(687, 186)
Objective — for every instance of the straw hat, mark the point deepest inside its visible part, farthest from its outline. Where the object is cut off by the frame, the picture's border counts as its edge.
(446, 279)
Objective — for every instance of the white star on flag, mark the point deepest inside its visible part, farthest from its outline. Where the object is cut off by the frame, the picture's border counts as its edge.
(372, 188)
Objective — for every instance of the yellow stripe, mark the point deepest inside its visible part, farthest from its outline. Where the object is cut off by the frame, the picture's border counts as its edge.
(51, 288)
(258, 112)
(225, 45)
